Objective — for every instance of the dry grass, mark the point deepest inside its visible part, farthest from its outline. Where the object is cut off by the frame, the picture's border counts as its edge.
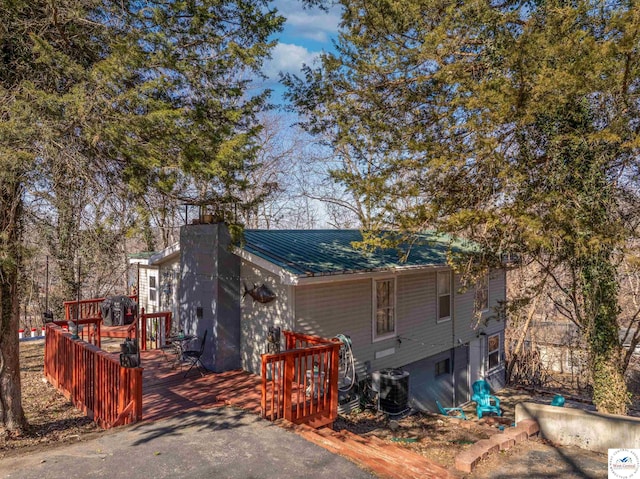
(52, 418)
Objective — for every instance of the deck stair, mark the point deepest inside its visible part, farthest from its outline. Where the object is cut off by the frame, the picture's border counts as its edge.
(372, 453)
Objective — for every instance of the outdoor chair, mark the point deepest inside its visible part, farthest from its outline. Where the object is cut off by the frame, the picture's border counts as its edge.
(485, 402)
(451, 411)
(558, 401)
(194, 357)
(169, 351)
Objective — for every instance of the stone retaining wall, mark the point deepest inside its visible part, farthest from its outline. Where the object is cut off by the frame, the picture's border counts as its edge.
(585, 429)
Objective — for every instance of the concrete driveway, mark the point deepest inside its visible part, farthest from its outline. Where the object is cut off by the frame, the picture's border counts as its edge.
(224, 443)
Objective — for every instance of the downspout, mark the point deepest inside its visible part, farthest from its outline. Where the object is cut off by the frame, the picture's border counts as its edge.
(453, 340)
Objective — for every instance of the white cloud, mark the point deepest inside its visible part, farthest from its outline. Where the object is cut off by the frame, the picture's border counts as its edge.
(311, 23)
(288, 58)
(305, 21)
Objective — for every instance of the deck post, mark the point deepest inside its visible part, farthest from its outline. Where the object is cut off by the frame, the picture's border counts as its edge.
(123, 387)
(289, 371)
(144, 322)
(137, 392)
(167, 326)
(333, 385)
(143, 330)
(263, 389)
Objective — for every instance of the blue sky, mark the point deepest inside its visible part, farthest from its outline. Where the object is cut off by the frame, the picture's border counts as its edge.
(307, 33)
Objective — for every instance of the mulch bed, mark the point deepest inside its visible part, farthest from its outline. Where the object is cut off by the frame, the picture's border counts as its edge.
(436, 437)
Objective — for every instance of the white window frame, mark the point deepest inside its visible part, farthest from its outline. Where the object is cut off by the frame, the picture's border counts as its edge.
(498, 351)
(374, 304)
(438, 295)
(482, 284)
(154, 288)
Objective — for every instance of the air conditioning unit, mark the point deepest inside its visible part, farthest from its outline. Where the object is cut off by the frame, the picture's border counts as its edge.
(393, 391)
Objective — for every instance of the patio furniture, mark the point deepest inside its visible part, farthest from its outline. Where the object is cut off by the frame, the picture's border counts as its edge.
(170, 351)
(485, 401)
(176, 346)
(447, 411)
(194, 357)
(558, 401)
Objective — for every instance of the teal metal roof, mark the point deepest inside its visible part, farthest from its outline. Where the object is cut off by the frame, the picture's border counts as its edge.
(326, 252)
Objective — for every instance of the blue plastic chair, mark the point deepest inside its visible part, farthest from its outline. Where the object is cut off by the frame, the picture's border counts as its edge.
(446, 411)
(485, 401)
(558, 401)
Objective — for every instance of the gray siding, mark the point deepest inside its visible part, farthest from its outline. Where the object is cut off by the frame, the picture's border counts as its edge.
(497, 292)
(421, 335)
(143, 287)
(465, 321)
(497, 289)
(168, 289)
(346, 307)
(342, 307)
(425, 387)
(166, 293)
(468, 324)
(255, 317)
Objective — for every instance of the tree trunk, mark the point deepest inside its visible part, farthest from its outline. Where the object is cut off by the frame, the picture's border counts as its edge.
(600, 294)
(523, 335)
(610, 394)
(11, 413)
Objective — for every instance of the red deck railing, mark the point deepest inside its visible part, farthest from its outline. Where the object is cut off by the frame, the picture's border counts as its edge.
(89, 308)
(151, 328)
(301, 383)
(155, 328)
(89, 329)
(92, 379)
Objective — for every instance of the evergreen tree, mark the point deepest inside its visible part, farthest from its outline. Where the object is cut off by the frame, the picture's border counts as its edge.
(29, 32)
(512, 123)
(142, 94)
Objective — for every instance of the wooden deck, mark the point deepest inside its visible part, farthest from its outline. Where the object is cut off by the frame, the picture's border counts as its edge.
(167, 393)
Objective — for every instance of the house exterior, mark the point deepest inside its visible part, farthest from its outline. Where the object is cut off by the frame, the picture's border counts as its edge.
(410, 314)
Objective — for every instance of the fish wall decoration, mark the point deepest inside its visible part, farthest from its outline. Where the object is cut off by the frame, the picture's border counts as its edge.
(261, 294)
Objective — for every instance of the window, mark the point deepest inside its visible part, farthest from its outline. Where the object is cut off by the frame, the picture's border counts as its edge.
(493, 351)
(444, 295)
(384, 302)
(481, 300)
(442, 367)
(153, 289)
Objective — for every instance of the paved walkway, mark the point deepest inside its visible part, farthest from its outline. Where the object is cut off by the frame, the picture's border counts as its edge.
(224, 443)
